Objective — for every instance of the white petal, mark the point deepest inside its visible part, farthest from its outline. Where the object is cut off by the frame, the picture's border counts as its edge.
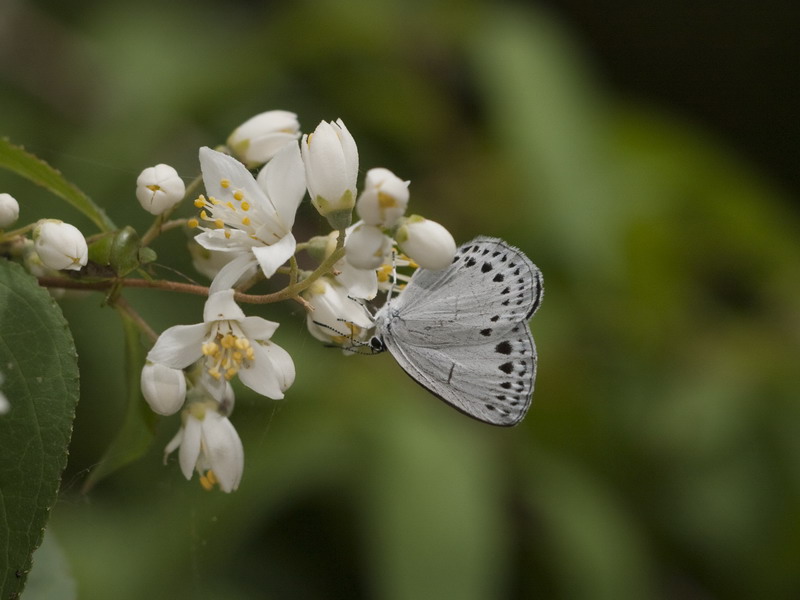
(256, 328)
(190, 446)
(215, 239)
(234, 273)
(173, 444)
(270, 258)
(350, 151)
(179, 346)
(223, 450)
(282, 363)
(284, 181)
(360, 283)
(271, 373)
(217, 166)
(221, 306)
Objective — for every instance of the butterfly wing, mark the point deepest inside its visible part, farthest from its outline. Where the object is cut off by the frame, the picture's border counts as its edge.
(491, 381)
(489, 288)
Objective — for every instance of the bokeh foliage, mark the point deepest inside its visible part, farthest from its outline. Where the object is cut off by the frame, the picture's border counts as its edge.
(661, 457)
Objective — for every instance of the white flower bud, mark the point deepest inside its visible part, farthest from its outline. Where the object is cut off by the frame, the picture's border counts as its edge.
(330, 156)
(336, 318)
(159, 188)
(367, 247)
(259, 138)
(60, 245)
(426, 242)
(9, 210)
(384, 199)
(163, 388)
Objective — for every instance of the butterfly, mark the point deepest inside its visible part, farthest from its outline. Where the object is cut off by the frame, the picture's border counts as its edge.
(463, 334)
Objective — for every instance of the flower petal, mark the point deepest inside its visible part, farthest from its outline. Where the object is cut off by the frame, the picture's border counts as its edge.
(258, 328)
(217, 167)
(221, 306)
(223, 450)
(272, 372)
(234, 272)
(284, 181)
(179, 346)
(190, 446)
(215, 239)
(270, 258)
(360, 283)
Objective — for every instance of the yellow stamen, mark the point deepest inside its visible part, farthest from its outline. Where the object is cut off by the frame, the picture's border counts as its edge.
(239, 195)
(207, 480)
(245, 206)
(193, 223)
(246, 221)
(200, 202)
(213, 200)
(153, 188)
(220, 224)
(227, 341)
(230, 205)
(230, 373)
(204, 216)
(214, 372)
(226, 183)
(227, 234)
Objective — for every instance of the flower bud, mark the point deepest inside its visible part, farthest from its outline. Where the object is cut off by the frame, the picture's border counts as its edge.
(426, 242)
(366, 247)
(163, 388)
(259, 138)
(60, 245)
(159, 188)
(330, 156)
(336, 318)
(384, 199)
(9, 210)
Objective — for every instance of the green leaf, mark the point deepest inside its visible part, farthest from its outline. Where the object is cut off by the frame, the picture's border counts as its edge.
(40, 372)
(138, 428)
(16, 159)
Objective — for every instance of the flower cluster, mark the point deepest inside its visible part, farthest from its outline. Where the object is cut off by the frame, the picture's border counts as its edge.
(243, 232)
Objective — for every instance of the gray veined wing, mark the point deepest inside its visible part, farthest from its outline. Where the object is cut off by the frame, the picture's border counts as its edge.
(489, 288)
(492, 382)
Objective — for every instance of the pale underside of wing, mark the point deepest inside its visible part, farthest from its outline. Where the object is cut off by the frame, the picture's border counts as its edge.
(492, 381)
(489, 288)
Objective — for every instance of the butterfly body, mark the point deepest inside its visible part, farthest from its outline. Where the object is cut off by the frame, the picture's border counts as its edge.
(462, 332)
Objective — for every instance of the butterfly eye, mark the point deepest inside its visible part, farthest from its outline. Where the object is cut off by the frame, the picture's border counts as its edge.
(377, 344)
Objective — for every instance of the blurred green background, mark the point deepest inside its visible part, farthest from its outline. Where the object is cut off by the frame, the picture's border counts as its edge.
(645, 159)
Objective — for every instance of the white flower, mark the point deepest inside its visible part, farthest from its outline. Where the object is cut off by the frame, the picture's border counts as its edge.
(384, 199)
(60, 245)
(164, 388)
(159, 188)
(366, 247)
(259, 138)
(232, 344)
(9, 210)
(252, 219)
(209, 444)
(426, 242)
(331, 160)
(336, 318)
